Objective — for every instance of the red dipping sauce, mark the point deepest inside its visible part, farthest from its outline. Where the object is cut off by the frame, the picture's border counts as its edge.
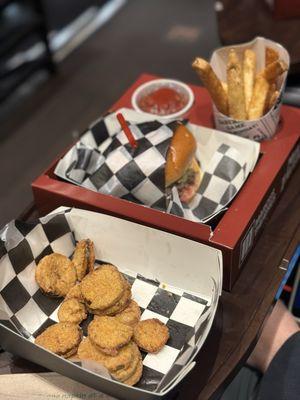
(162, 101)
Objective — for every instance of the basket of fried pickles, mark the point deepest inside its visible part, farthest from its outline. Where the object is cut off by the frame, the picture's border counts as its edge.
(246, 83)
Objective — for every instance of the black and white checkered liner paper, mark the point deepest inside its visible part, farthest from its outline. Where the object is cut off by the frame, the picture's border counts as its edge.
(25, 309)
(104, 161)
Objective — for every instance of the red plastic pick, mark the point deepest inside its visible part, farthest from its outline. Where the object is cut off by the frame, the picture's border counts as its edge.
(127, 130)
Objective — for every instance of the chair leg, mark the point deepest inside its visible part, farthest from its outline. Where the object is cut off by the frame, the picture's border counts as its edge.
(50, 64)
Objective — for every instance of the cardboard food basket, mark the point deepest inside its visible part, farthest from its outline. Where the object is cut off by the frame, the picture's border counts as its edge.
(173, 279)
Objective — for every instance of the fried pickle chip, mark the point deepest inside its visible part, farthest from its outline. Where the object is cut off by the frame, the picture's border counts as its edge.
(118, 306)
(55, 274)
(136, 376)
(125, 373)
(84, 258)
(151, 335)
(62, 338)
(109, 334)
(75, 293)
(72, 310)
(124, 358)
(103, 287)
(130, 315)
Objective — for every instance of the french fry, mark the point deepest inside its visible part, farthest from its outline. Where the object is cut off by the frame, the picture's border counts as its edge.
(225, 86)
(274, 70)
(249, 68)
(212, 84)
(272, 90)
(273, 99)
(246, 95)
(271, 55)
(236, 97)
(259, 97)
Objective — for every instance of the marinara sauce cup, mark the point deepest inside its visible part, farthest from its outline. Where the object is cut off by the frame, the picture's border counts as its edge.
(166, 98)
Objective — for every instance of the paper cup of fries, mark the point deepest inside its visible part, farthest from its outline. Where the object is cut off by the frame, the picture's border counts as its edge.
(246, 83)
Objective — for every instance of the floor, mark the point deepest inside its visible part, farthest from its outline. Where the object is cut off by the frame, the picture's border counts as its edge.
(157, 37)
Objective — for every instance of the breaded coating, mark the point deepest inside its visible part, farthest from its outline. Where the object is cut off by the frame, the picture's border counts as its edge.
(130, 315)
(87, 351)
(118, 306)
(72, 310)
(109, 334)
(125, 373)
(151, 335)
(103, 287)
(136, 376)
(55, 274)
(75, 293)
(84, 258)
(62, 338)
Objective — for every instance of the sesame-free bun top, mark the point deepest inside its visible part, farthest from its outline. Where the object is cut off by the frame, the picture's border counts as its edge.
(180, 154)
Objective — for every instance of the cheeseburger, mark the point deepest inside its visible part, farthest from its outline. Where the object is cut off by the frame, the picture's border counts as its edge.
(182, 169)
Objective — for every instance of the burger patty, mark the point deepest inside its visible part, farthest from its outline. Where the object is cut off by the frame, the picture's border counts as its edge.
(187, 179)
